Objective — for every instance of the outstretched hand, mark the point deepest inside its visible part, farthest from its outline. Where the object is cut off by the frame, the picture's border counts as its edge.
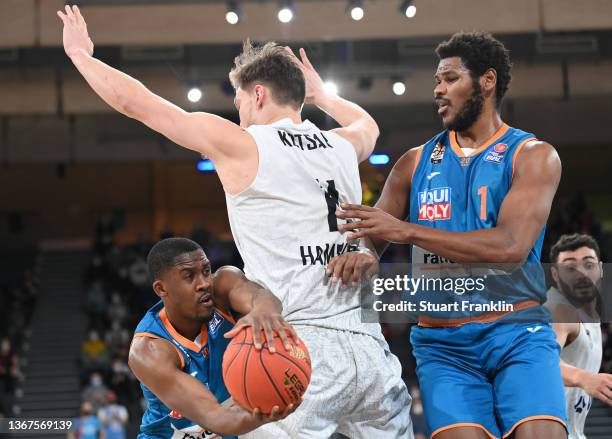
(599, 385)
(315, 91)
(373, 223)
(75, 34)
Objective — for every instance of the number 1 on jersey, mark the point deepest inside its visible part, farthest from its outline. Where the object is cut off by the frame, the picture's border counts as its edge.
(331, 198)
(482, 192)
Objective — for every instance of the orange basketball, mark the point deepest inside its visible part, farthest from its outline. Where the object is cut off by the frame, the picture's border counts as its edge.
(262, 379)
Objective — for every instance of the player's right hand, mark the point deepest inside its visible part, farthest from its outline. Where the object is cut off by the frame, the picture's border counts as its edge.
(352, 266)
(75, 34)
(599, 385)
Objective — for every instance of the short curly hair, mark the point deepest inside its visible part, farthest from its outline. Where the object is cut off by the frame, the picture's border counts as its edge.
(480, 51)
(272, 66)
(573, 242)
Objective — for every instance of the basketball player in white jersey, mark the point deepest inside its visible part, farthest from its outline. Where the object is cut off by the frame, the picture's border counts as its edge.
(283, 179)
(577, 273)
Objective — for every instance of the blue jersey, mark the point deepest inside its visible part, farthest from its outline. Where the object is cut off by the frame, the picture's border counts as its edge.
(455, 193)
(201, 358)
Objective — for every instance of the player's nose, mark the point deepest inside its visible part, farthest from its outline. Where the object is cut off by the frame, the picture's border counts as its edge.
(203, 282)
(439, 90)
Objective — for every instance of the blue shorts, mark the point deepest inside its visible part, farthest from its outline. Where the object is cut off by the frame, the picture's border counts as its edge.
(492, 376)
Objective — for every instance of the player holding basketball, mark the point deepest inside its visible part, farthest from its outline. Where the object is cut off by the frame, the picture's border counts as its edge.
(283, 179)
(480, 191)
(178, 346)
(577, 273)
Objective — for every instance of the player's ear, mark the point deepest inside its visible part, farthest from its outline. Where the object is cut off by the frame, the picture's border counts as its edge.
(260, 95)
(488, 81)
(160, 290)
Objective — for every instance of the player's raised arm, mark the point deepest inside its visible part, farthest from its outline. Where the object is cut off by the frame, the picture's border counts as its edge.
(522, 216)
(261, 309)
(202, 132)
(156, 364)
(358, 127)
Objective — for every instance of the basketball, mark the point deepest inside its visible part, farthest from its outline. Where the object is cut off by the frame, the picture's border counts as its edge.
(262, 379)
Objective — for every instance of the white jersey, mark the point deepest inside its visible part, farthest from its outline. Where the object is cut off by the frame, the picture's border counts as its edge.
(284, 224)
(585, 352)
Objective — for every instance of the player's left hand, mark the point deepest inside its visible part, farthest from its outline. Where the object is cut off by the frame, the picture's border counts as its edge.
(269, 322)
(75, 36)
(372, 222)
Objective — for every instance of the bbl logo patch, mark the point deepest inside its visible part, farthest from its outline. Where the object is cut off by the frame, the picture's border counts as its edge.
(496, 154)
(438, 153)
(214, 323)
(435, 204)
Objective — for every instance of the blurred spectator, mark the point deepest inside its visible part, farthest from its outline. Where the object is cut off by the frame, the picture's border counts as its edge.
(113, 417)
(9, 366)
(98, 268)
(30, 293)
(17, 319)
(96, 391)
(96, 305)
(117, 338)
(201, 235)
(105, 229)
(117, 311)
(87, 425)
(123, 382)
(139, 274)
(94, 354)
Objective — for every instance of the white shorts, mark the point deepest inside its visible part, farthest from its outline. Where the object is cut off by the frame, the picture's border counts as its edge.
(356, 389)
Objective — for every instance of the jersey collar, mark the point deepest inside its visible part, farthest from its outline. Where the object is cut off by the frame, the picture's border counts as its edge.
(189, 344)
(452, 135)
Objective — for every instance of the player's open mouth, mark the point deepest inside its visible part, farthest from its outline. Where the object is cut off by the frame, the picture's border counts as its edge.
(206, 299)
(442, 107)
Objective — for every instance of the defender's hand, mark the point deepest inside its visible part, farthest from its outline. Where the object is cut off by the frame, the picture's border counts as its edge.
(352, 266)
(599, 385)
(75, 35)
(315, 92)
(268, 321)
(372, 222)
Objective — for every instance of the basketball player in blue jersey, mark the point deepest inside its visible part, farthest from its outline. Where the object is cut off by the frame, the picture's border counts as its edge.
(478, 192)
(178, 346)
